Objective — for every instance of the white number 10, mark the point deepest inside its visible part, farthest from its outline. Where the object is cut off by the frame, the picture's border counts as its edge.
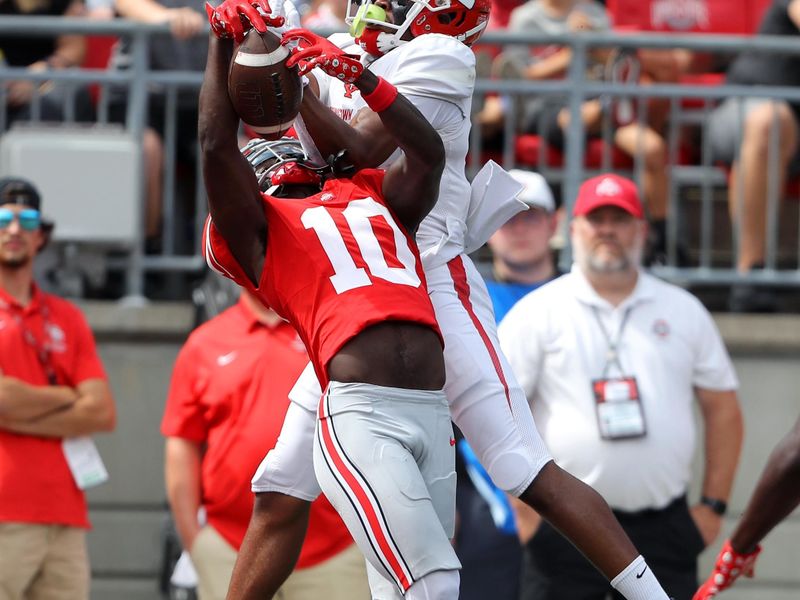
(347, 275)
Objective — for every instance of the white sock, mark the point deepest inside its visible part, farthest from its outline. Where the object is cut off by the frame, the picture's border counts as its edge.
(637, 582)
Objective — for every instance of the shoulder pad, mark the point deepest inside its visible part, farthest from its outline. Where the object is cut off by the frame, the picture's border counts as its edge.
(434, 65)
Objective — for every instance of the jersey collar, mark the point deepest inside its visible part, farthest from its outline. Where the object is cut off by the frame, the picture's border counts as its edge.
(585, 293)
(32, 307)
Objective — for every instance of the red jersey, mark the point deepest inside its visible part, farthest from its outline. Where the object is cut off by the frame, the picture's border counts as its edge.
(336, 263)
(36, 485)
(229, 391)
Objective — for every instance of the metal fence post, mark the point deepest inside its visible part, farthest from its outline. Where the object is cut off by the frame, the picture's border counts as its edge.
(576, 136)
(137, 109)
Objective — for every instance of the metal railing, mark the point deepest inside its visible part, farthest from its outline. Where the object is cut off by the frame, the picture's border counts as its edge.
(136, 80)
(705, 175)
(574, 88)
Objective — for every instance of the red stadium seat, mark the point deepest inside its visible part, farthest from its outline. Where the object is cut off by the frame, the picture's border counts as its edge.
(695, 16)
(757, 8)
(501, 12)
(709, 79)
(98, 53)
(528, 147)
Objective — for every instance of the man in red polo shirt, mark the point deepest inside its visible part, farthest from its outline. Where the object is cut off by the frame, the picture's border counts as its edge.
(53, 393)
(226, 405)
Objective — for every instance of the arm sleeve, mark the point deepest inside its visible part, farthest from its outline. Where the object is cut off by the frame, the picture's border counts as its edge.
(183, 413)
(713, 369)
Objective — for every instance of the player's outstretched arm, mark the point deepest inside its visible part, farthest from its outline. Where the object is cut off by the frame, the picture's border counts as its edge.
(368, 144)
(234, 199)
(411, 185)
(776, 495)
(365, 139)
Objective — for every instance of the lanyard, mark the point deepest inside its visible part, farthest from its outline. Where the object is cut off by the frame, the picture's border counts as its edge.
(612, 355)
(42, 350)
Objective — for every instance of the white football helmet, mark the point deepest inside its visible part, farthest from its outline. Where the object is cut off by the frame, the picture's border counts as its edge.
(464, 20)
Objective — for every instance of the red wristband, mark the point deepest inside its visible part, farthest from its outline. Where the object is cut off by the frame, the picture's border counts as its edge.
(381, 97)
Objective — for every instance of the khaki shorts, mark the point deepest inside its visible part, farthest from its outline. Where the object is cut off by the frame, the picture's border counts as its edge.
(341, 577)
(43, 562)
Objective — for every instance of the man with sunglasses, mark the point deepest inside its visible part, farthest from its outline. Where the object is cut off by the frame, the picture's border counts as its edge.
(53, 393)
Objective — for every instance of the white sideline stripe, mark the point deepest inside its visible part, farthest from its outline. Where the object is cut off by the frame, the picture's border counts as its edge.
(262, 60)
(272, 128)
(211, 258)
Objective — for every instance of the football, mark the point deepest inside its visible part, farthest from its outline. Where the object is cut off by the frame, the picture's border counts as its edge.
(265, 93)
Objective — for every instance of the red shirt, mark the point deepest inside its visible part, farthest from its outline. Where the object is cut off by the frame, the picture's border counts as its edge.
(36, 485)
(336, 263)
(229, 391)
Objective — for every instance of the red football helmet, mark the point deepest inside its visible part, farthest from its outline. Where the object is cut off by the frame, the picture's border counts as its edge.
(464, 20)
(277, 162)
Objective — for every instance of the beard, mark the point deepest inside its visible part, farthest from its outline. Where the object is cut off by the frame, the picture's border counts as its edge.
(14, 263)
(592, 261)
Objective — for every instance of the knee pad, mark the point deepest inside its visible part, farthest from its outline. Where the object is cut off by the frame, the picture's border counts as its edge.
(381, 588)
(438, 585)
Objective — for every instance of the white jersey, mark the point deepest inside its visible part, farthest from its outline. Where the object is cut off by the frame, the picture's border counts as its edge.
(437, 74)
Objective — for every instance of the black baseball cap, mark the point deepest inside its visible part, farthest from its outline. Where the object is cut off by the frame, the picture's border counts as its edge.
(15, 190)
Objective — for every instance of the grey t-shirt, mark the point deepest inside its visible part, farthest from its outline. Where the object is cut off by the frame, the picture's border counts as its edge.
(760, 68)
(168, 54)
(532, 17)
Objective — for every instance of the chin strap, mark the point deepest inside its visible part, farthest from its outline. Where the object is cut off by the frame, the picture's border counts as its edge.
(377, 42)
(339, 165)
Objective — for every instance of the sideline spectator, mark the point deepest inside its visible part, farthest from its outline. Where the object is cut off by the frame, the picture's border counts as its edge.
(185, 50)
(776, 495)
(522, 259)
(486, 538)
(751, 139)
(225, 408)
(41, 54)
(53, 392)
(326, 14)
(548, 116)
(611, 359)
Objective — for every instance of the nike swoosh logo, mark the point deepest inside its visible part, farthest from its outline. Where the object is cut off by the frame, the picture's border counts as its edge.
(639, 576)
(226, 359)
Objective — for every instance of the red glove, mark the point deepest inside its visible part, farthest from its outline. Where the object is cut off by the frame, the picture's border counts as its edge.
(316, 51)
(233, 18)
(730, 564)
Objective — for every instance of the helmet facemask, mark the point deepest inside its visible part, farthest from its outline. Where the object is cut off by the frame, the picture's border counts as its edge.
(367, 14)
(464, 20)
(273, 159)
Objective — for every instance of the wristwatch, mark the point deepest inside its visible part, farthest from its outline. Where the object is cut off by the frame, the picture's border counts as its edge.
(720, 507)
